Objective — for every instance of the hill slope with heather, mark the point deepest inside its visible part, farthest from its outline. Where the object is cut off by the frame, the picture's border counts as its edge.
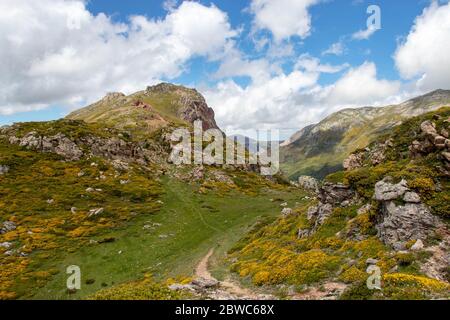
(96, 190)
(318, 150)
(388, 212)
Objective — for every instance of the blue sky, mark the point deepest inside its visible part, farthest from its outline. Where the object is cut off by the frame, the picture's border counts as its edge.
(259, 63)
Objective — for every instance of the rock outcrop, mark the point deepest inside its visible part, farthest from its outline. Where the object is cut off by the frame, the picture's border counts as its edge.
(58, 144)
(308, 183)
(400, 223)
(431, 141)
(73, 149)
(330, 196)
(192, 104)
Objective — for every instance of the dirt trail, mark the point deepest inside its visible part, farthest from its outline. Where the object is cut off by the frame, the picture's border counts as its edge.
(229, 286)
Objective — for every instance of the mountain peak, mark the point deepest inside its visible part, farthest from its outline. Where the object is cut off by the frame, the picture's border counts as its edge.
(145, 111)
(318, 149)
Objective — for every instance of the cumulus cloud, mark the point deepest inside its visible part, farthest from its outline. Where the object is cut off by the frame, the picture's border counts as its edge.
(57, 52)
(424, 54)
(312, 64)
(259, 106)
(283, 18)
(294, 100)
(360, 86)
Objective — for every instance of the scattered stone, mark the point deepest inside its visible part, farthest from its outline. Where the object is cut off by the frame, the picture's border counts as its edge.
(4, 169)
(303, 233)
(371, 261)
(10, 252)
(180, 287)
(8, 226)
(90, 189)
(418, 245)
(124, 181)
(95, 212)
(284, 204)
(121, 166)
(364, 209)
(50, 201)
(205, 283)
(286, 212)
(81, 174)
(73, 210)
(5, 245)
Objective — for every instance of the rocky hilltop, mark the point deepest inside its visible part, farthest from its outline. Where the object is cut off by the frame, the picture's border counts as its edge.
(156, 107)
(319, 149)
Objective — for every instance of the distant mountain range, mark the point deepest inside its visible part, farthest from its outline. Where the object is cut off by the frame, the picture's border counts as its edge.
(319, 149)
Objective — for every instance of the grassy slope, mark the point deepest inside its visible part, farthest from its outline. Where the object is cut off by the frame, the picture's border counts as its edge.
(325, 163)
(193, 222)
(272, 254)
(192, 229)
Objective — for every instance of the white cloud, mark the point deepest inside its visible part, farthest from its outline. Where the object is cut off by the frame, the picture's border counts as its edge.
(312, 64)
(294, 100)
(170, 5)
(360, 86)
(235, 65)
(364, 34)
(259, 106)
(425, 53)
(336, 49)
(283, 18)
(57, 52)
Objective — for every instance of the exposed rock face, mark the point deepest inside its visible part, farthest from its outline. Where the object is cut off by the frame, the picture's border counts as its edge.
(335, 194)
(195, 108)
(193, 104)
(113, 148)
(385, 191)
(432, 142)
(330, 196)
(58, 144)
(116, 149)
(308, 183)
(373, 155)
(354, 161)
(398, 224)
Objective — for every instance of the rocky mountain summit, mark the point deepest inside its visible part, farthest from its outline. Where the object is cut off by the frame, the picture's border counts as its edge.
(319, 149)
(156, 107)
